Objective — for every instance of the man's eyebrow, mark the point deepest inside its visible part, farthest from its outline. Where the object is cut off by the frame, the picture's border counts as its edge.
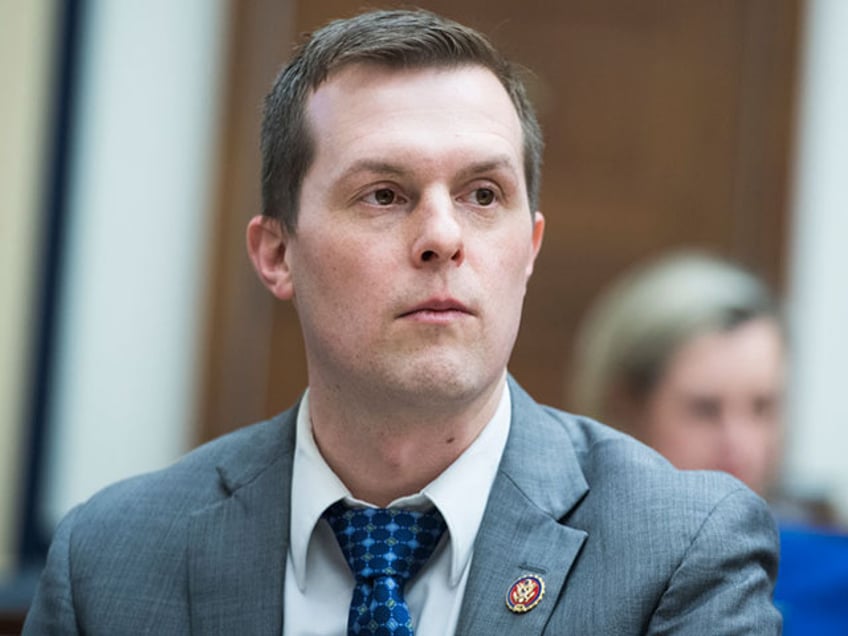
(490, 165)
(373, 166)
(475, 169)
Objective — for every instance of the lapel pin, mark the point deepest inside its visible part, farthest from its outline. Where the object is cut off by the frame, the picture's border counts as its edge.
(525, 593)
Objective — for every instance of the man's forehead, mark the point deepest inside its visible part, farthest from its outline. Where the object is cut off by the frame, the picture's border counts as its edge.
(426, 118)
(368, 80)
(351, 74)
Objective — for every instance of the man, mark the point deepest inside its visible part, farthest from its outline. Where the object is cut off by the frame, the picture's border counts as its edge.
(415, 486)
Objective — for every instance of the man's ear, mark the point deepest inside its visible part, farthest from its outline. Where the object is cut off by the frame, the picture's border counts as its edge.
(536, 240)
(267, 242)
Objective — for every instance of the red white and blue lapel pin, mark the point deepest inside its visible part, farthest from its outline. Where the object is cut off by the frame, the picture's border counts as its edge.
(525, 593)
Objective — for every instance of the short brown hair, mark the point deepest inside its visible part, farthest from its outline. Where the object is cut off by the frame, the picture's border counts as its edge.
(396, 39)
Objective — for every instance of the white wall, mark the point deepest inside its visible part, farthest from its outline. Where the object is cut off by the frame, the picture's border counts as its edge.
(144, 137)
(818, 444)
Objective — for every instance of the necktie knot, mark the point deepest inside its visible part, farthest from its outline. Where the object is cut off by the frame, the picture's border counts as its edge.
(384, 548)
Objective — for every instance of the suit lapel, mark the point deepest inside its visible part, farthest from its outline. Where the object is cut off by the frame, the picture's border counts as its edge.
(538, 482)
(237, 548)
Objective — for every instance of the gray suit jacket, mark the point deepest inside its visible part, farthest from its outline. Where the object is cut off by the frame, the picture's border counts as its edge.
(625, 543)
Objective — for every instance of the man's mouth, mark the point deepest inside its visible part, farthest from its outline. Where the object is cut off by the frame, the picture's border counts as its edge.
(438, 310)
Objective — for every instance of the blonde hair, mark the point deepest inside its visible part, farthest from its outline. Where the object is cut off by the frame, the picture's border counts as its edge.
(634, 326)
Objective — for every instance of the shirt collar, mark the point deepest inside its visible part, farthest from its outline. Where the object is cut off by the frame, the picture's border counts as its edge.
(460, 493)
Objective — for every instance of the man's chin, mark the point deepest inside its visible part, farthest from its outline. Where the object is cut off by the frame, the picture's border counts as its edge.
(441, 383)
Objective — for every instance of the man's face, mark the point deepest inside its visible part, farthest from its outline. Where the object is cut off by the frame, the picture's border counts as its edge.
(414, 240)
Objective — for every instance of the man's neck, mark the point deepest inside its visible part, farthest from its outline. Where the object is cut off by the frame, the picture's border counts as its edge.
(384, 454)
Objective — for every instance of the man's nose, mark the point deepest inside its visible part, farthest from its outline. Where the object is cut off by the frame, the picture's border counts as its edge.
(438, 232)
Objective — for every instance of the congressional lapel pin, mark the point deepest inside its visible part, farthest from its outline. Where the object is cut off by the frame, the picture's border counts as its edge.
(525, 593)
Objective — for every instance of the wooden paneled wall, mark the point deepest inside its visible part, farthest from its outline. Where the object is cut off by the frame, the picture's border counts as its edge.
(668, 123)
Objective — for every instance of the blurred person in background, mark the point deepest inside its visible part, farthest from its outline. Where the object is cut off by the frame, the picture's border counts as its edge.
(688, 354)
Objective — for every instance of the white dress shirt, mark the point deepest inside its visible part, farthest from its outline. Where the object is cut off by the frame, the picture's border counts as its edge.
(319, 583)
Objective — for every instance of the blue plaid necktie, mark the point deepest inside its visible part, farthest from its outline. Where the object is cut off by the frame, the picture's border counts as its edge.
(384, 549)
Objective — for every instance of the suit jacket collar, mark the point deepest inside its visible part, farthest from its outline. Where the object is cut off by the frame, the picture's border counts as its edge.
(237, 547)
(539, 481)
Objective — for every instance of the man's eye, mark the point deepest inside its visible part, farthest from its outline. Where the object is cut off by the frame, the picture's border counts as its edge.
(384, 196)
(484, 196)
